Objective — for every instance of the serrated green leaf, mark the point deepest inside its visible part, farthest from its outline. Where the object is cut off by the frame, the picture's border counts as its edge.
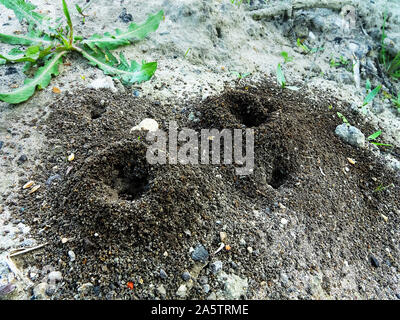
(40, 80)
(121, 38)
(127, 73)
(15, 52)
(31, 54)
(31, 38)
(24, 10)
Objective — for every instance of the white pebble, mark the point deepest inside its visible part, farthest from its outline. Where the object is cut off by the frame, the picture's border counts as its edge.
(284, 221)
(71, 255)
(146, 124)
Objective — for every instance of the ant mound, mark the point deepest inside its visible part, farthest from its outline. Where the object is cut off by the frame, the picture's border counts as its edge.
(126, 218)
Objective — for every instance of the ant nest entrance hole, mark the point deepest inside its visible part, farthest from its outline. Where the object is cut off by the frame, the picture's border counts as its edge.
(130, 181)
(248, 109)
(280, 174)
(125, 171)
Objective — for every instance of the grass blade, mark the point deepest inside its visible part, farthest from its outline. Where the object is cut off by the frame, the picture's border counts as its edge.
(280, 76)
(371, 95)
(69, 22)
(375, 135)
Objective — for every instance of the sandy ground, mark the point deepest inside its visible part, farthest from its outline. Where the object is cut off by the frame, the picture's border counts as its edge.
(221, 38)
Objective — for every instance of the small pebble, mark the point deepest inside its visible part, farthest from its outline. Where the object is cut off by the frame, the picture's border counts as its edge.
(163, 274)
(55, 276)
(223, 236)
(71, 255)
(125, 17)
(10, 70)
(52, 178)
(203, 280)
(216, 267)
(22, 158)
(181, 292)
(186, 276)
(162, 290)
(374, 262)
(200, 253)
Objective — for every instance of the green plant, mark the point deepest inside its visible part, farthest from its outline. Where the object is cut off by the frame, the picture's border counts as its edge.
(280, 76)
(382, 188)
(396, 101)
(371, 95)
(341, 116)
(343, 62)
(239, 2)
(47, 44)
(302, 46)
(367, 85)
(240, 75)
(306, 49)
(285, 56)
(374, 136)
(81, 10)
(187, 52)
(391, 66)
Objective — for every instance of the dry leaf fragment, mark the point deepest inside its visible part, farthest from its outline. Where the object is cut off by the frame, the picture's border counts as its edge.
(34, 189)
(56, 90)
(28, 184)
(350, 160)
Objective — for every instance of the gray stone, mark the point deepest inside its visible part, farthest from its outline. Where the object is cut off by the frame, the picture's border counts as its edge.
(51, 289)
(71, 255)
(163, 274)
(203, 280)
(284, 279)
(55, 276)
(216, 267)
(52, 178)
(186, 276)
(182, 291)
(206, 288)
(39, 292)
(351, 135)
(200, 254)
(234, 286)
(86, 288)
(213, 296)
(161, 290)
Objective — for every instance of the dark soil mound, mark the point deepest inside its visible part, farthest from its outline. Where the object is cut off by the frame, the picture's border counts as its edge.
(123, 214)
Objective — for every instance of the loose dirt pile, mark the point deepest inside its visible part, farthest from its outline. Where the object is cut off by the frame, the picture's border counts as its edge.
(305, 224)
